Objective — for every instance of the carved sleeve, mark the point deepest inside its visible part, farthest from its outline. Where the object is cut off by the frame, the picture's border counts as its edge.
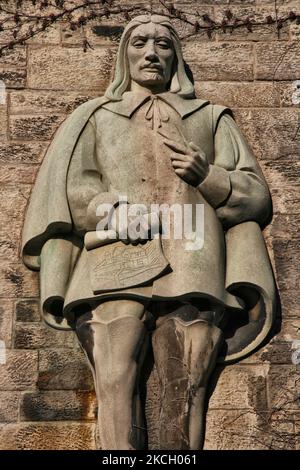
(85, 187)
(235, 185)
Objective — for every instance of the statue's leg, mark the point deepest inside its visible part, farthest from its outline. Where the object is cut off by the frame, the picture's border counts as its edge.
(114, 339)
(185, 352)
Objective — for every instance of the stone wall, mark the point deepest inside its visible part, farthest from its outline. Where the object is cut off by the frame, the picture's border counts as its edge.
(46, 393)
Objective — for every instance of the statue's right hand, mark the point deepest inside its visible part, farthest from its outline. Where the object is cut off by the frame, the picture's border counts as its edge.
(135, 228)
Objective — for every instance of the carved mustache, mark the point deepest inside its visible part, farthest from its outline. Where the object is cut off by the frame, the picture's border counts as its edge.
(156, 67)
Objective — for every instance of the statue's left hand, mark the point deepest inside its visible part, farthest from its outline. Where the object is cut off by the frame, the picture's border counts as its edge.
(189, 161)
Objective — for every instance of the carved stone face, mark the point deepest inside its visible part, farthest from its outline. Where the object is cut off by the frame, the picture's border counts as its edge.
(150, 53)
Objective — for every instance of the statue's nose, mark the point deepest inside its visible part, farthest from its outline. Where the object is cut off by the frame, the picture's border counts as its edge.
(151, 53)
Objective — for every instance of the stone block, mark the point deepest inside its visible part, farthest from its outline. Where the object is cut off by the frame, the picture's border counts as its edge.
(47, 436)
(271, 133)
(13, 200)
(279, 174)
(223, 61)
(3, 121)
(34, 127)
(245, 430)
(277, 60)
(64, 370)
(30, 102)
(239, 387)
(50, 36)
(62, 405)
(240, 95)
(49, 68)
(231, 429)
(290, 301)
(38, 335)
(18, 174)
(20, 370)
(284, 387)
(14, 57)
(285, 254)
(13, 77)
(22, 152)
(18, 281)
(28, 310)
(285, 226)
(9, 407)
(6, 322)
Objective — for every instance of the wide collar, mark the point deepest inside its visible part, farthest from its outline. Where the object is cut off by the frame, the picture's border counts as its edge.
(131, 101)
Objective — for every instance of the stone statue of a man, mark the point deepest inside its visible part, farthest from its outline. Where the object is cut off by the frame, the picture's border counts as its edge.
(150, 139)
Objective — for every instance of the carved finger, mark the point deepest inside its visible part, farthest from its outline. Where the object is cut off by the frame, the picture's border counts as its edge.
(180, 157)
(180, 171)
(176, 146)
(180, 164)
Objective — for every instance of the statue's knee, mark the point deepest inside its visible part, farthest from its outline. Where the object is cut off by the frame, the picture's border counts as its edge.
(113, 309)
(183, 334)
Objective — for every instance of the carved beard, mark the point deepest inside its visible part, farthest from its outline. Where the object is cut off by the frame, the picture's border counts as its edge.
(154, 76)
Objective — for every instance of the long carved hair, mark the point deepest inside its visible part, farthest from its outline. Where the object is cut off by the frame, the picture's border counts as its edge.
(180, 83)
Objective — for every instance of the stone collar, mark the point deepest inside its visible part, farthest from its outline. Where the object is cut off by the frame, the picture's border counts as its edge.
(131, 101)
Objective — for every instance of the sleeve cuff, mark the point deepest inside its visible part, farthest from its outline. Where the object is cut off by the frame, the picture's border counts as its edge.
(216, 186)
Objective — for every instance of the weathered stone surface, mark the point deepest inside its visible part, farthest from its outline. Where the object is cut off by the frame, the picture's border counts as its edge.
(250, 393)
(20, 370)
(8, 246)
(243, 429)
(220, 61)
(245, 95)
(272, 136)
(28, 310)
(290, 301)
(33, 102)
(286, 253)
(18, 174)
(38, 335)
(34, 127)
(284, 387)
(50, 36)
(49, 68)
(288, 93)
(65, 369)
(3, 121)
(21, 152)
(256, 14)
(281, 175)
(47, 436)
(286, 200)
(6, 322)
(285, 226)
(16, 57)
(97, 33)
(281, 349)
(58, 406)
(294, 32)
(191, 3)
(13, 77)
(13, 200)
(9, 406)
(231, 429)
(297, 430)
(277, 60)
(17, 281)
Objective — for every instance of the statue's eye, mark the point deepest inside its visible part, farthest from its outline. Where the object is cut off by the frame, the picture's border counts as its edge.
(139, 44)
(163, 44)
